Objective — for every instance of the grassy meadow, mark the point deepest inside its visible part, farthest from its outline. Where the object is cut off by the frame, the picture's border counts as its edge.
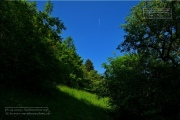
(64, 103)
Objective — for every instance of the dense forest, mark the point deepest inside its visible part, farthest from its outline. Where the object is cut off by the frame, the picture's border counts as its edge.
(35, 61)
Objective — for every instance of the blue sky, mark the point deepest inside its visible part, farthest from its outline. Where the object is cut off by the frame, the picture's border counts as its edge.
(94, 26)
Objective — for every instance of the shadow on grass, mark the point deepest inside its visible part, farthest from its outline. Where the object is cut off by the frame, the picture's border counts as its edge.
(61, 105)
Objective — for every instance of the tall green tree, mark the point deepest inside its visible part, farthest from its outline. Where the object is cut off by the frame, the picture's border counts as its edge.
(156, 37)
(27, 39)
(66, 53)
(141, 91)
(89, 65)
(146, 84)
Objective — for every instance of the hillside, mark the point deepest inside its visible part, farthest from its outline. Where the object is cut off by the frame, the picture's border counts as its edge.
(65, 104)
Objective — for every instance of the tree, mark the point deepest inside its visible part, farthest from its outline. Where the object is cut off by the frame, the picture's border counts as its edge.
(156, 37)
(89, 65)
(27, 45)
(156, 41)
(66, 53)
(137, 90)
(69, 43)
(126, 86)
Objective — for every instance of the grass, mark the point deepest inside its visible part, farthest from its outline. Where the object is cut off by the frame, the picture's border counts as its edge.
(65, 104)
(89, 98)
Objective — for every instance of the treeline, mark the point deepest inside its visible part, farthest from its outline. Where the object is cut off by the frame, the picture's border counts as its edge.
(142, 84)
(145, 82)
(32, 52)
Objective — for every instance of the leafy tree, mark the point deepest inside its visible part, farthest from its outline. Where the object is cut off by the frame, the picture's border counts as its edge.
(69, 43)
(138, 90)
(66, 53)
(144, 84)
(94, 81)
(124, 83)
(89, 65)
(91, 80)
(27, 39)
(156, 37)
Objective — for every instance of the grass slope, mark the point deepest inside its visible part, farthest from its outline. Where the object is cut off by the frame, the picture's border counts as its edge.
(89, 98)
(65, 104)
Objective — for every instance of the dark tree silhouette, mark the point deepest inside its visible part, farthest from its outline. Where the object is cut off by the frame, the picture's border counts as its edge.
(89, 65)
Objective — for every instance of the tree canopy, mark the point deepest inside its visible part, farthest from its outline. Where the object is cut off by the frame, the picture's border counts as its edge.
(32, 52)
(89, 65)
(157, 37)
(143, 84)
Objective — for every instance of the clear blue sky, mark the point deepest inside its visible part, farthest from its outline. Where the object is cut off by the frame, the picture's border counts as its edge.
(94, 26)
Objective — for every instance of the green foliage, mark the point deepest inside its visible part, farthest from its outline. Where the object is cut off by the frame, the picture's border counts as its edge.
(146, 84)
(23, 49)
(94, 80)
(158, 38)
(33, 57)
(48, 7)
(91, 81)
(32, 52)
(72, 61)
(89, 65)
(142, 90)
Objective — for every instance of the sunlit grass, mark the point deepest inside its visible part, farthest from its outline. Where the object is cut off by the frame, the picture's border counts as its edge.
(64, 104)
(89, 98)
